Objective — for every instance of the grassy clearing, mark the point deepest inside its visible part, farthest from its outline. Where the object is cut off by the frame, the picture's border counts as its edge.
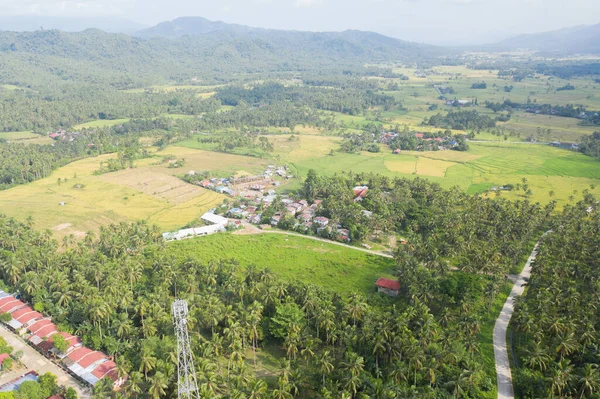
(293, 258)
(108, 198)
(14, 136)
(100, 123)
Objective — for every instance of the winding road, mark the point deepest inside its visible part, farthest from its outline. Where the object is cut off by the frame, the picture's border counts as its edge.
(503, 374)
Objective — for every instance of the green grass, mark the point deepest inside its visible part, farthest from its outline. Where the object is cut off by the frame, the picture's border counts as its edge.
(19, 135)
(100, 123)
(292, 258)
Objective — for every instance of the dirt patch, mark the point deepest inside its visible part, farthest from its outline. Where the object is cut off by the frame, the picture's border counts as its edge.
(156, 184)
(248, 230)
(61, 227)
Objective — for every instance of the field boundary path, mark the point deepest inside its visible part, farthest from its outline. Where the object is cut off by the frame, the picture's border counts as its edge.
(251, 229)
(503, 373)
(33, 360)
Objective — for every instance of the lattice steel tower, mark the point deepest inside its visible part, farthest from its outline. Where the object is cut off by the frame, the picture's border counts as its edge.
(187, 386)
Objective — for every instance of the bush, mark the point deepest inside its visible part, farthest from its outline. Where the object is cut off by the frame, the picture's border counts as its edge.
(8, 364)
(5, 317)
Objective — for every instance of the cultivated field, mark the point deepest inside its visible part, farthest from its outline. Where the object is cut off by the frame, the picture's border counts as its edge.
(484, 166)
(292, 258)
(144, 193)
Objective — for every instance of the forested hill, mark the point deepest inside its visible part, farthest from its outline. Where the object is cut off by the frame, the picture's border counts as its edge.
(192, 26)
(93, 56)
(575, 40)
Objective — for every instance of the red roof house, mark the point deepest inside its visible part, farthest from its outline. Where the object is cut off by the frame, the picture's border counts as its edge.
(387, 286)
(6, 299)
(104, 369)
(46, 331)
(79, 353)
(39, 325)
(90, 359)
(11, 306)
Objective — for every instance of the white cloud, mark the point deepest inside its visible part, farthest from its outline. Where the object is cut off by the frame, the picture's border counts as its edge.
(307, 3)
(66, 7)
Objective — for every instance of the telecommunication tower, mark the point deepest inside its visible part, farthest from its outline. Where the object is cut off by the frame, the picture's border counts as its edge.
(187, 386)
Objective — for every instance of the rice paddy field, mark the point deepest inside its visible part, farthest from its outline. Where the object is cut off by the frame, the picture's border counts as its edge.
(292, 258)
(485, 165)
(148, 192)
(418, 93)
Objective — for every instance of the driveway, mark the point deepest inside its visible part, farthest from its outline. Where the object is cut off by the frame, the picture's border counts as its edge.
(33, 360)
(503, 374)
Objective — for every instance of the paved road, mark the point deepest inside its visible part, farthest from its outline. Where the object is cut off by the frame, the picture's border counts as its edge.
(255, 230)
(33, 360)
(503, 374)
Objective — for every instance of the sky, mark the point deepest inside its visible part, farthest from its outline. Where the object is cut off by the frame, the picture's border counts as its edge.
(443, 22)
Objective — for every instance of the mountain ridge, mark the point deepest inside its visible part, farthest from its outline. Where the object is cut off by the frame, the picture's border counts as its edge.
(580, 39)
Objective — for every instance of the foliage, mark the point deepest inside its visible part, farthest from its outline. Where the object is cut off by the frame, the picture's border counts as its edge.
(348, 101)
(461, 120)
(590, 145)
(557, 344)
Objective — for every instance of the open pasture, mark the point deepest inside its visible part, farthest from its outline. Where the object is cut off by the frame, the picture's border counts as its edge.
(292, 258)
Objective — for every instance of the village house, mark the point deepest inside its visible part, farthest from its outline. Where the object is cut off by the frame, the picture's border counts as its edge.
(321, 221)
(387, 286)
(275, 220)
(291, 210)
(305, 217)
(255, 219)
(343, 235)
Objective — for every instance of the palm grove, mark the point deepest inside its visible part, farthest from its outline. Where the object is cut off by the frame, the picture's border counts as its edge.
(115, 291)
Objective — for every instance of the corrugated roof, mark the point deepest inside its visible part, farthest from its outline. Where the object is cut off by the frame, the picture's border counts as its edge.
(387, 283)
(39, 325)
(103, 369)
(91, 358)
(78, 353)
(46, 331)
(11, 306)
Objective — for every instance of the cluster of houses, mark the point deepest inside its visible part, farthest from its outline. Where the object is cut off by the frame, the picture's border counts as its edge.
(215, 224)
(64, 135)
(226, 185)
(305, 215)
(460, 103)
(84, 363)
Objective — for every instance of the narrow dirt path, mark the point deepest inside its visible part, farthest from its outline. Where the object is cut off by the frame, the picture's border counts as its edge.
(503, 374)
(35, 361)
(251, 229)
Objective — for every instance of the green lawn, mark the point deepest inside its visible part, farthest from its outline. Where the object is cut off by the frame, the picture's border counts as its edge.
(293, 258)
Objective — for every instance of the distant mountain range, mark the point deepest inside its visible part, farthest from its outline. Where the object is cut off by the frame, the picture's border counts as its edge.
(194, 26)
(584, 39)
